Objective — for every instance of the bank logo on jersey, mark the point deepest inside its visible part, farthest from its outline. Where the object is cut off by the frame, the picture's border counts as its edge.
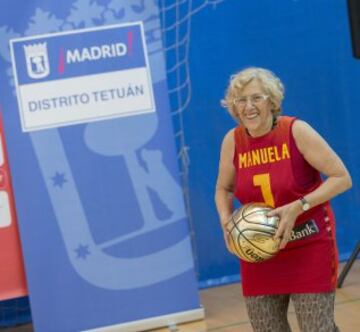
(37, 60)
(304, 230)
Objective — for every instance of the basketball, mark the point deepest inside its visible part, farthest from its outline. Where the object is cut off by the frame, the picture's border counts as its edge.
(250, 233)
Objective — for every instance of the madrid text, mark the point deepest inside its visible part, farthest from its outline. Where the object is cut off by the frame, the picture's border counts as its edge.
(84, 98)
(96, 52)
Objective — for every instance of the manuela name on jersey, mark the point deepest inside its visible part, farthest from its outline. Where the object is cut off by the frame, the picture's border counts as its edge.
(270, 154)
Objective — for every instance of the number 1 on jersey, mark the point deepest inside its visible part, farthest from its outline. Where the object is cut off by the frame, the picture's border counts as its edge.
(263, 181)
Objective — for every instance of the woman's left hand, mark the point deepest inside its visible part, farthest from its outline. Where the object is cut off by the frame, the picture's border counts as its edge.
(287, 214)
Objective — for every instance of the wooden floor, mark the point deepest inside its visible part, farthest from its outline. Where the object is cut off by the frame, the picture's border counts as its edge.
(225, 309)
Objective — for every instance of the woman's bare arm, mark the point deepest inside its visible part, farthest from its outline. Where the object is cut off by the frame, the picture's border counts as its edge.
(318, 154)
(225, 181)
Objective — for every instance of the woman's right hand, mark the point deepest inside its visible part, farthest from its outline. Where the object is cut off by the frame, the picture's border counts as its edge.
(226, 238)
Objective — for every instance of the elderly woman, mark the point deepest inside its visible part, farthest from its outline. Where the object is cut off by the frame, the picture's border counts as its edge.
(278, 160)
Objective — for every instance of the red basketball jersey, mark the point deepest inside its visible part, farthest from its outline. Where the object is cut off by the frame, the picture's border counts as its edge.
(271, 169)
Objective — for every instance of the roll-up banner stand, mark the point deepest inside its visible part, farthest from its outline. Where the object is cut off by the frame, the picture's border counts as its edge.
(101, 213)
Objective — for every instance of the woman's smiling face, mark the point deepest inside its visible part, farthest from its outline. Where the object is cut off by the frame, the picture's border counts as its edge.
(256, 114)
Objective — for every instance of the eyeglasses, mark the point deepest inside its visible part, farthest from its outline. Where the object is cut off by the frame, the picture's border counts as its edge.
(254, 100)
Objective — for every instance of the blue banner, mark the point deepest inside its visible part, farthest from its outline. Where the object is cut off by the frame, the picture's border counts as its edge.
(101, 213)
